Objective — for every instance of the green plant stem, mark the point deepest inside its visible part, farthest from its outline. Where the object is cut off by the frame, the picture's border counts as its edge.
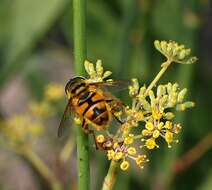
(79, 21)
(158, 76)
(110, 178)
(41, 167)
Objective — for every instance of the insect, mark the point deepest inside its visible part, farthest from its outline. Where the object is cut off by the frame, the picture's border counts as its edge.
(89, 101)
(108, 144)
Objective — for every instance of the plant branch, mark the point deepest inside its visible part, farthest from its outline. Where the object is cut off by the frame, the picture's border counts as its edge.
(110, 178)
(41, 167)
(165, 65)
(79, 21)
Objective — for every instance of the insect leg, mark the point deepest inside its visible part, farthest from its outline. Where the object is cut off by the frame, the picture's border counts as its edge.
(117, 119)
(89, 131)
(113, 105)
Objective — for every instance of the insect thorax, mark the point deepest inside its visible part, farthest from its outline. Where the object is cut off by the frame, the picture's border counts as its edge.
(76, 88)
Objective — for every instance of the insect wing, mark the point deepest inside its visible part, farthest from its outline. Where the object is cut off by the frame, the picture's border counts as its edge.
(114, 84)
(64, 120)
(107, 86)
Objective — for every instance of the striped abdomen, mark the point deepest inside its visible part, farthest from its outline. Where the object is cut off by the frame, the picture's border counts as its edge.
(92, 106)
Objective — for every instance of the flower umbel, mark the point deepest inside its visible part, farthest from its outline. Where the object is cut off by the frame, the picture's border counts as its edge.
(174, 51)
(96, 74)
(150, 117)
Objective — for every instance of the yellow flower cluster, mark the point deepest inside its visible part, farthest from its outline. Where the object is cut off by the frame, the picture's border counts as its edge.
(20, 129)
(159, 129)
(96, 74)
(40, 109)
(122, 151)
(54, 92)
(157, 121)
(174, 51)
(150, 112)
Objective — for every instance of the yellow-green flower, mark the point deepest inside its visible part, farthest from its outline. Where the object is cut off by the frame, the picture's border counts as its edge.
(150, 143)
(175, 52)
(110, 154)
(100, 138)
(54, 91)
(118, 156)
(125, 165)
(129, 139)
(131, 151)
(150, 118)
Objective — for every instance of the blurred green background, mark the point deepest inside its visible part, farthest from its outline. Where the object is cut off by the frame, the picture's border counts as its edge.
(36, 48)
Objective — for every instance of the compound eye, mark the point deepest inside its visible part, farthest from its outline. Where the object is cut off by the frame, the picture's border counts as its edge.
(73, 81)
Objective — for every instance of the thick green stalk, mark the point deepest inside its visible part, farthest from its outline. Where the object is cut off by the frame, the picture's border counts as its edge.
(110, 178)
(79, 16)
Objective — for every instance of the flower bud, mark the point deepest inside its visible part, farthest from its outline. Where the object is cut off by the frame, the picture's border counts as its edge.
(124, 165)
(181, 95)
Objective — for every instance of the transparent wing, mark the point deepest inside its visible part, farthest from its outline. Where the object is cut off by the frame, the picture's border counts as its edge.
(115, 84)
(113, 101)
(64, 120)
(107, 86)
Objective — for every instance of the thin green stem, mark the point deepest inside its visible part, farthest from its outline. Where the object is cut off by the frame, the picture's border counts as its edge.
(110, 178)
(79, 20)
(41, 167)
(165, 65)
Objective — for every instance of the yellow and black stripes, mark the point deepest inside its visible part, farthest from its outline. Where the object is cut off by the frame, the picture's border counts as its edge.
(88, 102)
(93, 108)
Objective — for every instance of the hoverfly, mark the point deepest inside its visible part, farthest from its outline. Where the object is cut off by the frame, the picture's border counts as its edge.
(90, 102)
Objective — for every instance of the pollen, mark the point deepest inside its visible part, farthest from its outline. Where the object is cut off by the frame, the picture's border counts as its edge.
(129, 139)
(115, 145)
(149, 126)
(125, 129)
(118, 156)
(131, 151)
(125, 165)
(110, 154)
(146, 132)
(139, 116)
(150, 144)
(156, 113)
(168, 125)
(140, 159)
(160, 125)
(169, 137)
(100, 138)
(156, 134)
